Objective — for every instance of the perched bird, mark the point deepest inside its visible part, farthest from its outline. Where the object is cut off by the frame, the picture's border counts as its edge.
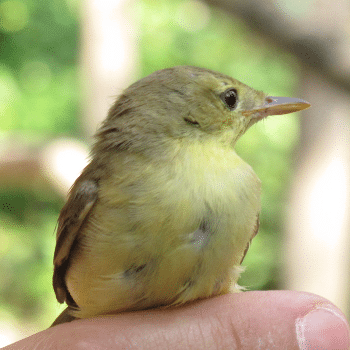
(165, 210)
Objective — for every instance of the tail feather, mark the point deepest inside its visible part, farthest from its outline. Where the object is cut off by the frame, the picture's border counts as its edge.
(64, 317)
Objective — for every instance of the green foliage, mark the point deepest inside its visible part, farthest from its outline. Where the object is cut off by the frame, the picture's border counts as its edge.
(38, 63)
(39, 98)
(27, 222)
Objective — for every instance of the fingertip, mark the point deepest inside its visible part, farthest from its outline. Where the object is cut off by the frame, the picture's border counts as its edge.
(323, 328)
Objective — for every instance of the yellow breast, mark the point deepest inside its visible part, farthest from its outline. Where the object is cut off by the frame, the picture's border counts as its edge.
(175, 233)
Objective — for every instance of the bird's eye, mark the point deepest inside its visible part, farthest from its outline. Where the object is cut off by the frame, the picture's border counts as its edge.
(230, 98)
(191, 122)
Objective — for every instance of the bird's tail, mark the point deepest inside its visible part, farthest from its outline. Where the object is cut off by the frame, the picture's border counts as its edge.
(63, 317)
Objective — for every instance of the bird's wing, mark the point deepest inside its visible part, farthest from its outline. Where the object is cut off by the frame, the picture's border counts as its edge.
(255, 232)
(82, 198)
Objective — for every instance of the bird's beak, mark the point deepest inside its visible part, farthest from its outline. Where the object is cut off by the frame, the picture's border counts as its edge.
(277, 105)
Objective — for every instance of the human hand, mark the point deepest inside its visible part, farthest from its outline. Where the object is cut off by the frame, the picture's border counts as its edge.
(249, 320)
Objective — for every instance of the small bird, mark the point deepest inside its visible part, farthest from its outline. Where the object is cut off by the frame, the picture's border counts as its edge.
(165, 211)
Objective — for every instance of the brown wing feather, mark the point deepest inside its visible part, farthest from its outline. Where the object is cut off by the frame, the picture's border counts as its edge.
(82, 198)
(255, 232)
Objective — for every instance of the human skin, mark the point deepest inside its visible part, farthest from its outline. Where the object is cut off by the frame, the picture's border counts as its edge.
(249, 320)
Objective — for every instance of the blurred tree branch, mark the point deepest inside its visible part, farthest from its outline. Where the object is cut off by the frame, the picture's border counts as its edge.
(20, 163)
(318, 44)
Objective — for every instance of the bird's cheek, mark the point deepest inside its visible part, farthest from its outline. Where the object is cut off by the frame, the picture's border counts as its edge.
(246, 105)
(252, 120)
(228, 122)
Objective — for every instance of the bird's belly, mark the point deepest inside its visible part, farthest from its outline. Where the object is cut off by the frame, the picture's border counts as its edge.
(176, 272)
(177, 244)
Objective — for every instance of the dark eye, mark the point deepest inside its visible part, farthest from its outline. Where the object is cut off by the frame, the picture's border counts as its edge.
(191, 122)
(230, 98)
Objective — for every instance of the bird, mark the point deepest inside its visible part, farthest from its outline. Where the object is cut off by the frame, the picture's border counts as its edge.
(165, 211)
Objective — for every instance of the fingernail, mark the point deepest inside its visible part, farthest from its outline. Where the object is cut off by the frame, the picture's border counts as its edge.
(323, 328)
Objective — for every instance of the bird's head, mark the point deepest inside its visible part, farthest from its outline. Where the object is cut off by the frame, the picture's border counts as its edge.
(193, 103)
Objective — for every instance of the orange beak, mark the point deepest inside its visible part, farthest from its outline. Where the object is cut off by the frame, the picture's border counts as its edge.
(277, 105)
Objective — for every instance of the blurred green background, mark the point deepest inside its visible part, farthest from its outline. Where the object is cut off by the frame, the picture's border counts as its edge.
(40, 99)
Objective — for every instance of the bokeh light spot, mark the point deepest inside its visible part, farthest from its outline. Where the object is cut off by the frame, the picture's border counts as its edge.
(327, 202)
(13, 15)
